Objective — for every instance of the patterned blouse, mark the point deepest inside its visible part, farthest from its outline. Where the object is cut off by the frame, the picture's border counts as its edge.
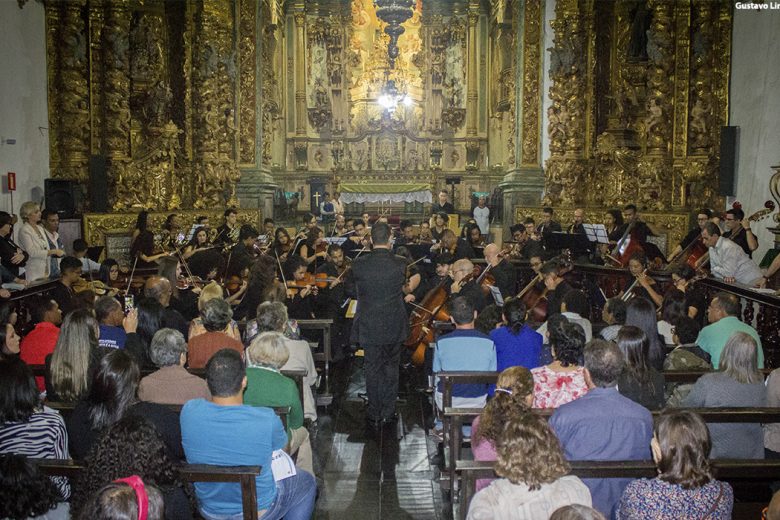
(658, 500)
(552, 389)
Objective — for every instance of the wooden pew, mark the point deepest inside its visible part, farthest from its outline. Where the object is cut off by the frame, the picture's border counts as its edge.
(325, 356)
(729, 470)
(242, 475)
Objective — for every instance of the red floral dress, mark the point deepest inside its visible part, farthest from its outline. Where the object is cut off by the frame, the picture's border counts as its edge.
(552, 389)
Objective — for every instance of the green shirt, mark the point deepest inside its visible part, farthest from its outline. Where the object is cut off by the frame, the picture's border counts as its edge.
(713, 338)
(268, 387)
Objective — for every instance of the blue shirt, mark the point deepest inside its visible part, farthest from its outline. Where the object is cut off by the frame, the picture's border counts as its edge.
(112, 337)
(604, 425)
(464, 349)
(231, 436)
(521, 349)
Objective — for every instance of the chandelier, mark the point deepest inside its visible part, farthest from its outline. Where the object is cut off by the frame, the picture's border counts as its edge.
(394, 13)
(391, 97)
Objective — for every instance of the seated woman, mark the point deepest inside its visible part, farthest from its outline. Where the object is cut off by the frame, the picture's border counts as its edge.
(685, 486)
(738, 383)
(517, 344)
(639, 381)
(672, 309)
(210, 292)
(614, 315)
(26, 493)
(641, 312)
(132, 446)
(535, 480)
(171, 383)
(563, 380)
(645, 286)
(120, 499)
(514, 394)
(70, 367)
(9, 339)
(686, 355)
(266, 386)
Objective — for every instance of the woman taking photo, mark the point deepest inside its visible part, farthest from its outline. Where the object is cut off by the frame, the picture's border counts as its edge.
(32, 239)
(685, 486)
(639, 381)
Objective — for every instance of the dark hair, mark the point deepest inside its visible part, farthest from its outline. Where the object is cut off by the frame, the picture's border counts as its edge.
(550, 267)
(738, 213)
(104, 306)
(444, 217)
(685, 445)
(687, 330)
(307, 217)
(548, 210)
(685, 272)
(131, 446)
(404, 252)
(640, 257)
(728, 303)
(292, 264)
(80, 245)
(405, 224)
(24, 491)
(617, 216)
(577, 301)
(200, 218)
(333, 248)
(224, 373)
(113, 388)
(194, 239)
(488, 319)
(268, 220)
(169, 221)
(5, 218)
(617, 308)
(640, 312)
(19, 397)
(150, 319)
(118, 501)
(632, 342)
(104, 275)
(630, 207)
(514, 312)
(312, 236)
(708, 212)
(673, 306)
(247, 231)
(358, 222)
(70, 263)
(39, 306)
(141, 222)
(461, 310)
(230, 211)
(711, 228)
(48, 213)
(529, 220)
(604, 361)
(517, 228)
(380, 234)
(444, 259)
(568, 341)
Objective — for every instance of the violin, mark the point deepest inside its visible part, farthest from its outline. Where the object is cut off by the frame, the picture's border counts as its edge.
(319, 280)
(188, 282)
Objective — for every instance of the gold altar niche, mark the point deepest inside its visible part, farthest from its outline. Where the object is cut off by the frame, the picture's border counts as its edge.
(639, 94)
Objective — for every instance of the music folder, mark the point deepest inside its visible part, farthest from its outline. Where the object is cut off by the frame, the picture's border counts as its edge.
(573, 241)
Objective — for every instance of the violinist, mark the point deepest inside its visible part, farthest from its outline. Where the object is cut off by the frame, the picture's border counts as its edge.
(200, 221)
(443, 264)
(199, 241)
(440, 221)
(313, 250)
(640, 230)
(684, 279)
(301, 295)
(703, 216)
(407, 234)
(339, 226)
(645, 286)
(413, 277)
(268, 228)
(109, 272)
(738, 231)
(473, 236)
(242, 253)
(358, 241)
(556, 285)
(142, 248)
(502, 270)
(282, 244)
(465, 284)
(459, 248)
(331, 299)
(425, 236)
(227, 233)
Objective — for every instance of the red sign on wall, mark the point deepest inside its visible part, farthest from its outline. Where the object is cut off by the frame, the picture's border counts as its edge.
(11, 181)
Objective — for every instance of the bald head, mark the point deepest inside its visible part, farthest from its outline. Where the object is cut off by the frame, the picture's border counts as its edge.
(158, 288)
(461, 268)
(579, 216)
(491, 254)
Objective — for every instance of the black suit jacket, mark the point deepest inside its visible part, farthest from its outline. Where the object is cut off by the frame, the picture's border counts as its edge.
(381, 315)
(506, 278)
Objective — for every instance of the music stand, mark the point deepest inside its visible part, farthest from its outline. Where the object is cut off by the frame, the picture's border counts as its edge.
(572, 241)
(596, 233)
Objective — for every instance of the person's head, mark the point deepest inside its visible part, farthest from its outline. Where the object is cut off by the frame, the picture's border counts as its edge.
(567, 341)
(44, 309)
(685, 331)
(492, 254)
(536, 263)
(462, 312)
(530, 225)
(603, 364)
(231, 216)
(733, 219)
(710, 234)
(216, 315)
(108, 311)
(632, 342)
(159, 288)
(19, 397)
(461, 268)
(739, 359)
(529, 453)
(773, 510)
(443, 263)
(202, 220)
(70, 269)
(172, 222)
(425, 227)
(271, 317)
(80, 247)
(30, 212)
(630, 212)
(519, 233)
(150, 318)
(268, 349)
(514, 394)
(549, 272)
(359, 226)
(113, 388)
(481, 201)
(168, 348)
(474, 235)
(641, 313)
(443, 196)
(682, 275)
(449, 239)
(366, 218)
(380, 234)
(576, 512)
(211, 291)
(488, 319)
(613, 217)
(6, 222)
(9, 339)
(614, 311)
(441, 219)
(226, 374)
(673, 306)
(579, 216)
(200, 237)
(120, 501)
(722, 306)
(576, 301)
(25, 492)
(142, 220)
(547, 215)
(282, 236)
(336, 255)
(248, 235)
(70, 361)
(268, 226)
(704, 215)
(514, 312)
(341, 221)
(50, 220)
(407, 229)
(681, 448)
(295, 268)
(309, 220)
(109, 271)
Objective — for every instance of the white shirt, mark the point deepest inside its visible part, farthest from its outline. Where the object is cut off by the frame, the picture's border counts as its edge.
(482, 216)
(573, 317)
(727, 258)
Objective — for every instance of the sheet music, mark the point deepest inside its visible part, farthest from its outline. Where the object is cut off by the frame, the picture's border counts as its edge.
(596, 233)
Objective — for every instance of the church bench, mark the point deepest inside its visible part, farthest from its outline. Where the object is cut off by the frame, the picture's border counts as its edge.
(324, 357)
(729, 470)
(242, 475)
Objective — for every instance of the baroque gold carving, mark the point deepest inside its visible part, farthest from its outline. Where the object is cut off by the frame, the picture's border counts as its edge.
(247, 79)
(531, 81)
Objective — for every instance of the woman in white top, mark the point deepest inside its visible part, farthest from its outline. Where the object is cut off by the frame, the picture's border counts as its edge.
(32, 238)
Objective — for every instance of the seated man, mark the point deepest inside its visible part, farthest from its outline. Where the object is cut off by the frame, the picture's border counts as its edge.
(225, 432)
(464, 349)
(160, 289)
(723, 315)
(62, 293)
(171, 383)
(216, 315)
(602, 424)
(40, 341)
(80, 248)
(110, 315)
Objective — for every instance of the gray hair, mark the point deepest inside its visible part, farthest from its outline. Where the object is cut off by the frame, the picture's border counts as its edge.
(27, 209)
(216, 315)
(739, 359)
(605, 362)
(271, 317)
(166, 347)
(268, 349)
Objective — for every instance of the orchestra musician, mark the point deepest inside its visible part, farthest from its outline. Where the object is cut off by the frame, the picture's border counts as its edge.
(227, 233)
(268, 229)
(615, 226)
(413, 276)
(473, 235)
(738, 230)
(339, 226)
(358, 240)
(576, 227)
(645, 286)
(366, 220)
(282, 244)
(301, 295)
(407, 234)
(458, 247)
(684, 279)
(502, 270)
(440, 221)
(242, 254)
(524, 246)
(471, 290)
(143, 248)
(313, 250)
(199, 242)
(171, 233)
(12, 256)
(425, 236)
(331, 301)
(703, 216)
(548, 225)
(728, 261)
(443, 264)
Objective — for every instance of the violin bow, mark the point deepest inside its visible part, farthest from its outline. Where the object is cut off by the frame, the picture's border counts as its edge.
(132, 273)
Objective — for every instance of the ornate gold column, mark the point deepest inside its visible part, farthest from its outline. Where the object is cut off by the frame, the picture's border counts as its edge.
(300, 70)
(472, 95)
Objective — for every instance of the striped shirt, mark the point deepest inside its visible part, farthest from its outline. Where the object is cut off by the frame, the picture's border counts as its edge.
(43, 436)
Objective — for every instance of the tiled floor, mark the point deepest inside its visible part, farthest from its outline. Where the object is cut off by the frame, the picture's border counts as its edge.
(366, 476)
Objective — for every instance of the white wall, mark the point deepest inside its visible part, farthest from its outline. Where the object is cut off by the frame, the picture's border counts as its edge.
(23, 101)
(755, 108)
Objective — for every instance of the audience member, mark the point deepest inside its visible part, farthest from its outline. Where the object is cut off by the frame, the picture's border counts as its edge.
(69, 368)
(32, 239)
(685, 486)
(272, 317)
(602, 424)
(80, 249)
(772, 430)
(160, 289)
(124, 499)
(517, 344)
(639, 381)
(672, 309)
(489, 319)
(62, 293)
(773, 510)
(216, 316)
(111, 396)
(9, 342)
(576, 309)
(26, 493)
(562, 380)
(514, 394)
(266, 386)
(738, 383)
(26, 426)
(641, 313)
(723, 315)
(132, 446)
(110, 316)
(171, 383)
(576, 512)
(40, 342)
(556, 285)
(614, 315)
(226, 432)
(148, 320)
(536, 480)
(210, 292)
(686, 355)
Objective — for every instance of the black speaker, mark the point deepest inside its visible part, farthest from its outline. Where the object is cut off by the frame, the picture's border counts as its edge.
(62, 196)
(729, 136)
(98, 184)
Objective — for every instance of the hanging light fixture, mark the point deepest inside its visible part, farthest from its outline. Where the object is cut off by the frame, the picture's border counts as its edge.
(391, 97)
(394, 13)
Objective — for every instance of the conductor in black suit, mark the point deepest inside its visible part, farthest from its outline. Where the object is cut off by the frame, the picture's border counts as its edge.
(381, 324)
